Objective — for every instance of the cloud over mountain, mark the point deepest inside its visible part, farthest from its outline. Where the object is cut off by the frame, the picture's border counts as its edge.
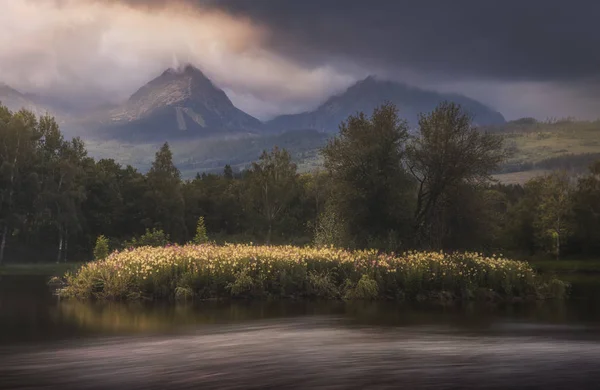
(108, 49)
(532, 57)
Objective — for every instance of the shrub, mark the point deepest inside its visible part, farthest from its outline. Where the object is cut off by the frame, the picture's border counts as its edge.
(201, 236)
(101, 249)
(246, 271)
(330, 230)
(183, 293)
(154, 238)
(320, 285)
(366, 288)
(243, 286)
(554, 288)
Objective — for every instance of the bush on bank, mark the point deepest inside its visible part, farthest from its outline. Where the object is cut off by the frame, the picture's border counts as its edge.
(244, 271)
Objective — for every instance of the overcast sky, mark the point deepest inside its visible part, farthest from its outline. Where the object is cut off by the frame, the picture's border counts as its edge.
(525, 58)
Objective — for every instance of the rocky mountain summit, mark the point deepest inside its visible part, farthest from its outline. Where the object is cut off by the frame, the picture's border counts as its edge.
(179, 103)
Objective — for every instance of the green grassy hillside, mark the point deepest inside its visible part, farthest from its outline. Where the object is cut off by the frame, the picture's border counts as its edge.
(535, 148)
(211, 155)
(538, 147)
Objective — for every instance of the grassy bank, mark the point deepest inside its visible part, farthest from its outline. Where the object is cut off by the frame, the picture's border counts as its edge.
(244, 271)
(567, 266)
(43, 269)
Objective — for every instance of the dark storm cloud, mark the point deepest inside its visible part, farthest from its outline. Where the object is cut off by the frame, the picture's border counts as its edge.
(528, 57)
(532, 40)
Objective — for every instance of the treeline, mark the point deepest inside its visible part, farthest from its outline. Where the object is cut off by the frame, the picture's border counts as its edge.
(380, 188)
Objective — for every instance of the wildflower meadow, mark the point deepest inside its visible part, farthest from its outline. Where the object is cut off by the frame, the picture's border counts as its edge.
(208, 271)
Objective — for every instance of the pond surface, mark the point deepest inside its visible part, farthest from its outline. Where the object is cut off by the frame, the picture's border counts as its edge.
(51, 344)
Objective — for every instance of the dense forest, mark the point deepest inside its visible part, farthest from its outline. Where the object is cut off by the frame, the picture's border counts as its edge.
(380, 188)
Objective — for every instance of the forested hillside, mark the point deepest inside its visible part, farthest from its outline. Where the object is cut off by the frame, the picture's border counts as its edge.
(379, 187)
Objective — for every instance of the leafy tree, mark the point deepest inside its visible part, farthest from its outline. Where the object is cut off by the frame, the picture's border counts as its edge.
(330, 229)
(273, 185)
(165, 208)
(61, 175)
(448, 152)
(101, 249)
(228, 172)
(473, 218)
(370, 190)
(201, 237)
(316, 187)
(586, 209)
(554, 210)
(377, 187)
(18, 141)
(154, 237)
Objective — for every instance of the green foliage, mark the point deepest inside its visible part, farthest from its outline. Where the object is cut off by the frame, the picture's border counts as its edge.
(447, 153)
(228, 172)
(154, 238)
(548, 145)
(381, 189)
(41, 182)
(201, 236)
(331, 230)
(366, 288)
(243, 286)
(273, 185)
(245, 271)
(321, 285)
(371, 193)
(165, 205)
(586, 212)
(554, 288)
(543, 217)
(101, 249)
(554, 210)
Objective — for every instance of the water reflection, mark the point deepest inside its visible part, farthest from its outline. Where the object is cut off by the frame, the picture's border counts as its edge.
(48, 343)
(138, 317)
(29, 313)
(299, 353)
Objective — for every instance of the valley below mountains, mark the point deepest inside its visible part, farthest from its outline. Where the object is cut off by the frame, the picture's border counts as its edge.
(206, 130)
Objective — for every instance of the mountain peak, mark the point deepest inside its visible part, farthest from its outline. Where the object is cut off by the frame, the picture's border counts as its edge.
(182, 99)
(184, 70)
(369, 93)
(369, 79)
(174, 86)
(16, 100)
(8, 88)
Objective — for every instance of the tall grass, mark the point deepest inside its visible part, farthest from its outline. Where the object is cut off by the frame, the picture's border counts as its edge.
(245, 271)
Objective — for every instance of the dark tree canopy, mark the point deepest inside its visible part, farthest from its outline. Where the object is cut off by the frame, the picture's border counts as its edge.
(164, 198)
(381, 188)
(448, 152)
(370, 187)
(273, 182)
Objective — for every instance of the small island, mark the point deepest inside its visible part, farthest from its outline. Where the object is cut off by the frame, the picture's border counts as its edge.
(209, 271)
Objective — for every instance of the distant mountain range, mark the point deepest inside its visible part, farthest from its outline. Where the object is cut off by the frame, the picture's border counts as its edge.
(16, 100)
(183, 103)
(369, 93)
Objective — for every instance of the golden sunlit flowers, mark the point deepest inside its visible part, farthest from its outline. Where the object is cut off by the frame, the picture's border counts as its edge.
(212, 271)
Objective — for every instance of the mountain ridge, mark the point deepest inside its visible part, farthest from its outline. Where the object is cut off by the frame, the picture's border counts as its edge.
(365, 95)
(15, 100)
(178, 103)
(184, 103)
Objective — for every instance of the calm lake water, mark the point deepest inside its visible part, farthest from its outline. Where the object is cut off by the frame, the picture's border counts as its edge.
(51, 344)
